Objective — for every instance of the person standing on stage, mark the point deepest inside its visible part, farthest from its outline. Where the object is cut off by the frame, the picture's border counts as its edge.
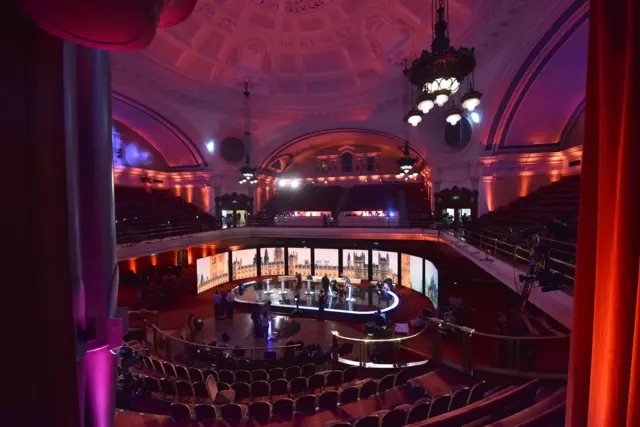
(231, 299)
(321, 301)
(299, 282)
(325, 284)
(265, 320)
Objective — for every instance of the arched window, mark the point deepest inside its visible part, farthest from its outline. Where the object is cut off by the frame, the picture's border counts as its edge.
(346, 161)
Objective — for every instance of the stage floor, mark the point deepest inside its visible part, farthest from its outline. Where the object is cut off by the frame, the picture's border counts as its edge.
(240, 331)
(356, 301)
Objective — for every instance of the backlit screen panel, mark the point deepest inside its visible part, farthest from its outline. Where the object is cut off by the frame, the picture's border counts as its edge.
(412, 272)
(385, 265)
(212, 271)
(326, 262)
(431, 281)
(355, 263)
(272, 261)
(244, 264)
(300, 261)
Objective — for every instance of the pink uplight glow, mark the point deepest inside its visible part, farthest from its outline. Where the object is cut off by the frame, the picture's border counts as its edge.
(100, 375)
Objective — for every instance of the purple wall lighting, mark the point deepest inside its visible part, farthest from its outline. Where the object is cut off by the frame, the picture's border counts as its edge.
(128, 153)
(100, 371)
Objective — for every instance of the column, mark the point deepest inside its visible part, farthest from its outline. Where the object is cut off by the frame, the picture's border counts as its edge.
(604, 365)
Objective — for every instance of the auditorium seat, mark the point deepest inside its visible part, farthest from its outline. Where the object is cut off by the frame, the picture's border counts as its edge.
(143, 215)
(205, 412)
(559, 200)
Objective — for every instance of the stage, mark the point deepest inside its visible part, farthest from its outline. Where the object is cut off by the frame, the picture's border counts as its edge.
(355, 303)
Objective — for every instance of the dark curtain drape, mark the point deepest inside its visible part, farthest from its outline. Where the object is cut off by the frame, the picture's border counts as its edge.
(604, 374)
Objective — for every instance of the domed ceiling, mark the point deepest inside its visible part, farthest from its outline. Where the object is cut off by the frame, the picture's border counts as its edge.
(299, 53)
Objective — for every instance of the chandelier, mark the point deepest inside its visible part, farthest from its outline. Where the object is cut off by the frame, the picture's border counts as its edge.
(406, 163)
(439, 74)
(248, 173)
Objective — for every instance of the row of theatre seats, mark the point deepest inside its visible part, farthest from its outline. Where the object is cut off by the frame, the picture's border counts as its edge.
(333, 198)
(339, 398)
(556, 201)
(142, 214)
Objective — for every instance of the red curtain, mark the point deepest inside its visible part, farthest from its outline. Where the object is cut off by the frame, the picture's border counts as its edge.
(604, 374)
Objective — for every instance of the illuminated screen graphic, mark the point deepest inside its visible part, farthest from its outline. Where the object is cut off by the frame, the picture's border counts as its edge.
(326, 262)
(385, 265)
(355, 263)
(212, 271)
(244, 264)
(300, 261)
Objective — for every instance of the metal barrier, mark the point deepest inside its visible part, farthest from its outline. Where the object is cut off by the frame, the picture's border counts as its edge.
(176, 350)
(562, 261)
(467, 350)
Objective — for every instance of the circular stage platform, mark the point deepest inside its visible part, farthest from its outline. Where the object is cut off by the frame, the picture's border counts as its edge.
(355, 303)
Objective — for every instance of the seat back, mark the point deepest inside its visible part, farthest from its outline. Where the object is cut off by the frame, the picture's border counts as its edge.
(298, 385)
(181, 372)
(283, 408)
(349, 395)
(394, 418)
(180, 412)
(184, 389)
(350, 374)
(260, 389)
(306, 404)
(279, 387)
(386, 383)
(169, 370)
(308, 370)
(316, 382)
(259, 375)
(200, 390)
(292, 372)
(334, 378)
(226, 376)
(368, 421)
(276, 374)
(243, 391)
(205, 412)
(402, 377)
(168, 386)
(418, 412)
(151, 384)
(231, 412)
(328, 400)
(369, 388)
(459, 398)
(477, 392)
(242, 376)
(260, 411)
(439, 405)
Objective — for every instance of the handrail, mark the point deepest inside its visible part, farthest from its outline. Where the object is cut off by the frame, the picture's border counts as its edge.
(368, 340)
(208, 347)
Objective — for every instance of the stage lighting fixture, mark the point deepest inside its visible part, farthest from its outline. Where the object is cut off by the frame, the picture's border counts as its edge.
(295, 183)
(475, 117)
(210, 146)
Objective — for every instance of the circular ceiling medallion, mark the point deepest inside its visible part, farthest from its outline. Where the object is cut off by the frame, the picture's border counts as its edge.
(458, 136)
(232, 150)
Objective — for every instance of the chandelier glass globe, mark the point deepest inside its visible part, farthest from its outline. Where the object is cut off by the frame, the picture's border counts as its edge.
(426, 102)
(414, 117)
(471, 100)
(454, 115)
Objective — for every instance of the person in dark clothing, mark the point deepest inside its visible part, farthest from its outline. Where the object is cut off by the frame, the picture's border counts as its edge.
(325, 284)
(321, 302)
(299, 281)
(378, 319)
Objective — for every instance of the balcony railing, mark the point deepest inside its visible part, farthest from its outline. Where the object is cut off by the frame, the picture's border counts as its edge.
(465, 349)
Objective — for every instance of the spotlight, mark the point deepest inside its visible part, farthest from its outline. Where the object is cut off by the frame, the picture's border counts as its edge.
(475, 117)
(295, 183)
(282, 183)
(210, 146)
